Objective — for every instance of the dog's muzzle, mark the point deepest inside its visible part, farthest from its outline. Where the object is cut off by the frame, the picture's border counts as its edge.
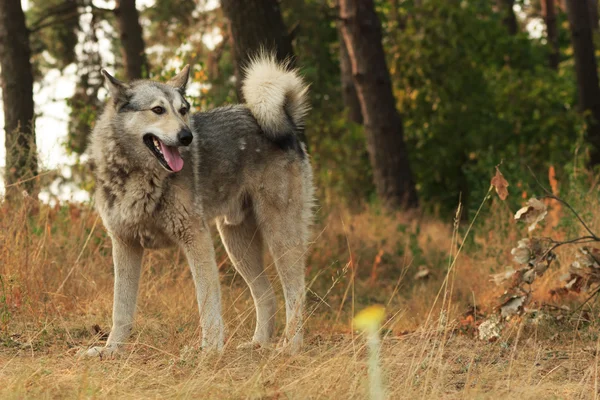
(185, 137)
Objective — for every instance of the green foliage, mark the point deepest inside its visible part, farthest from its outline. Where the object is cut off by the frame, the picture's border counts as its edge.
(315, 40)
(472, 96)
(340, 159)
(170, 14)
(84, 112)
(56, 23)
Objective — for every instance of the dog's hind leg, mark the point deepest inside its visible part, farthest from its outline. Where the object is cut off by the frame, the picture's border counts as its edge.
(128, 264)
(289, 254)
(244, 244)
(286, 235)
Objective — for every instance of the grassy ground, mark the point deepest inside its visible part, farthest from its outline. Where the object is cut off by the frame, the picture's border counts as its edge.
(56, 299)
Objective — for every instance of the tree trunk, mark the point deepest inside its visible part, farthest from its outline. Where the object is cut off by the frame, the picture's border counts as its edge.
(593, 11)
(509, 19)
(551, 32)
(586, 70)
(361, 29)
(255, 24)
(349, 96)
(132, 39)
(17, 92)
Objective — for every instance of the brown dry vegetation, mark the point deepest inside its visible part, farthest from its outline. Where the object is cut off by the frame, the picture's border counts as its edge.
(56, 299)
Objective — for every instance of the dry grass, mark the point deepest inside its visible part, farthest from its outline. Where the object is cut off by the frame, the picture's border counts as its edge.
(56, 294)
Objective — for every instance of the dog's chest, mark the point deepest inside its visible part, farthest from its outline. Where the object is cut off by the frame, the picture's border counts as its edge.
(138, 226)
(130, 204)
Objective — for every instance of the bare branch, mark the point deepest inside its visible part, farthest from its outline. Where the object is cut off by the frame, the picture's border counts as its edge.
(550, 195)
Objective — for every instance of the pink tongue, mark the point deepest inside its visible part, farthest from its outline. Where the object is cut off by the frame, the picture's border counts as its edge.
(172, 156)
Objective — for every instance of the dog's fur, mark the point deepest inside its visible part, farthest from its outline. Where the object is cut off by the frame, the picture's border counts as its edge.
(245, 169)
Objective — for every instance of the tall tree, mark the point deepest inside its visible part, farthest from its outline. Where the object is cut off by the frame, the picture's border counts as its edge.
(256, 24)
(549, 12)
(586, 70)
(361, 30)
(132, 39)
(17, 91)
(593, 11)
(509, 18)
(349, 95)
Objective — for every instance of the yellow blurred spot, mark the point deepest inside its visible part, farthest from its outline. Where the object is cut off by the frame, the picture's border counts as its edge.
(199, 75)
(370, 318)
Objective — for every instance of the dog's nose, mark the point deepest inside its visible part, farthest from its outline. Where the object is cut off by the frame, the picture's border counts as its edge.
(185, 137)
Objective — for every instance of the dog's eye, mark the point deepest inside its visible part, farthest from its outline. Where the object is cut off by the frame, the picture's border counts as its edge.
(158, 110)
(183, 111)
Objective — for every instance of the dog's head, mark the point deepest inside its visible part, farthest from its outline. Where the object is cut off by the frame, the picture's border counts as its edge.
(155, 113)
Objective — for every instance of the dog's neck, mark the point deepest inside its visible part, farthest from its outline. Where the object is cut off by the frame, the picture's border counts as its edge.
(123, 183)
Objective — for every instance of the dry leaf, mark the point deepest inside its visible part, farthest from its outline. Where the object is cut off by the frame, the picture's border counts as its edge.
(522, 253)
(423, 273)
(542, 264)
(528, 276)
(586, 267)
(502, 277)
(534, 212)
(571, 285)
(500, 184)
(513, 306)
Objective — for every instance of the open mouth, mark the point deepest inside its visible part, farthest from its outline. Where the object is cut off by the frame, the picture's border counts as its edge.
(168, 156)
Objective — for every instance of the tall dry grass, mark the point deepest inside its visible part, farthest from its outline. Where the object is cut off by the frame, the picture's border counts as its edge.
(56, 299)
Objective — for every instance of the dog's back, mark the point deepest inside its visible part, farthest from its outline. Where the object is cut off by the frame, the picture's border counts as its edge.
(254, 149)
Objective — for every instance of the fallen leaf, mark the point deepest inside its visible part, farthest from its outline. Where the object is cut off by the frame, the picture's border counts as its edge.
(500, 184)
(502, 277)
(542, 264)
(513, 306)
(422, 274)
(528, 277)
(587, 267)
(534, 212)
(522, 253)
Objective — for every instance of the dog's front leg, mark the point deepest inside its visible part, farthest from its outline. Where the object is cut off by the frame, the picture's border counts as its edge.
(127, 260)
(201, 257)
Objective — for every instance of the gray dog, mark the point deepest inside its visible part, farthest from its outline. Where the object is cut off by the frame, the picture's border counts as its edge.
(163, 175)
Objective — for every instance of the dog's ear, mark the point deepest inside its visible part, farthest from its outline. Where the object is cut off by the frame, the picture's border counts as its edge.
(116, 87)
(180, 80)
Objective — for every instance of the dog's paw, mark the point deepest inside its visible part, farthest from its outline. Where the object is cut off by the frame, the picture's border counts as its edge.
(290, 347)
(104, 353)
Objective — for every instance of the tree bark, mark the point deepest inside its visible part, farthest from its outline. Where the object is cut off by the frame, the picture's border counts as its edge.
(586, 70)
(593, 11)
(349, 96)
(132, 39)
(255, 24)
(17, 92)
(551, 32)
(361, 29)
(509, 19)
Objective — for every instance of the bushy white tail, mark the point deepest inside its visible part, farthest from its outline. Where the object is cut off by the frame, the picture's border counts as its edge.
(276, 95)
